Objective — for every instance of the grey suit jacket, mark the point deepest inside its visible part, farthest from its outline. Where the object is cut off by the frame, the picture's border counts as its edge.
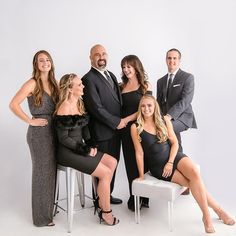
(181, 92)
(103, 104)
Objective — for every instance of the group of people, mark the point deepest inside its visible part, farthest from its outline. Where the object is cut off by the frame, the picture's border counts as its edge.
(81, 123)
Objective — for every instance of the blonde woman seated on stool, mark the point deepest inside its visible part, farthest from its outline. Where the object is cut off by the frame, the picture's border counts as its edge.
(76, 149)
(155, 139)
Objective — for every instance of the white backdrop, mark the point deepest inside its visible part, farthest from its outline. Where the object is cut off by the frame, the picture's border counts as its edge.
(204, 31)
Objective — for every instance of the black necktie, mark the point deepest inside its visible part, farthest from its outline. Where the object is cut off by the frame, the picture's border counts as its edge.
(168, 85)
(109, 79)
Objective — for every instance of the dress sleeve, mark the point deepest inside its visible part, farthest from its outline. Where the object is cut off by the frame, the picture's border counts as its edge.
(87, 137)
(64, 139)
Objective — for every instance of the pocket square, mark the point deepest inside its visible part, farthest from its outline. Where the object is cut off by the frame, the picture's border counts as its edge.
(176, 85)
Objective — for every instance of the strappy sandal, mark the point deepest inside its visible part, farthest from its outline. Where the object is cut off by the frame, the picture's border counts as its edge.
(115, 220)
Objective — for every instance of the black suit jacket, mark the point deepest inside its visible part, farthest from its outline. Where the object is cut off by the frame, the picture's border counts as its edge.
(181, 92)
(103, 104)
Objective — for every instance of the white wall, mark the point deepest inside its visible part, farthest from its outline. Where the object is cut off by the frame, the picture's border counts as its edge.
(204, 31)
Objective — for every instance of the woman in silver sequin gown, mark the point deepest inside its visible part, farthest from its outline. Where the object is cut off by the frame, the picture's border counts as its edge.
(41, 92)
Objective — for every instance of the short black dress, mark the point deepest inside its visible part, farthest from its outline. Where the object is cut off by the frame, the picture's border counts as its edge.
(74, 143)
(158, 155)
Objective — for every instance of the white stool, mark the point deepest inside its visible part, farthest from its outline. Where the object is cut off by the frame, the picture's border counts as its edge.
(152, 187)
(70, 191)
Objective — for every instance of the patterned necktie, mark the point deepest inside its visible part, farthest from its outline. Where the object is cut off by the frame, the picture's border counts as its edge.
(169, 85)
(109, 79)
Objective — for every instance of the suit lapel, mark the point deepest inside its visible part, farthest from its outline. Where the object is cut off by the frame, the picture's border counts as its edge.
(177, 80)
(164, 86)
(177, 77)
(106, 83)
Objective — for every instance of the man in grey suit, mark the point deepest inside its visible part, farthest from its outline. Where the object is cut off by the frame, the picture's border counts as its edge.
(102, 99)
(175, 93)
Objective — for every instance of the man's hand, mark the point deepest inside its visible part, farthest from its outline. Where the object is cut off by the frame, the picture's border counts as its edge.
(93, 152)
(167, 117)
(122, 124)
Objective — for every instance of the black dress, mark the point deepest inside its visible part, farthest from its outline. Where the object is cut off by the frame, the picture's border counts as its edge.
(74, 143)
(130, 105)
(157, 155)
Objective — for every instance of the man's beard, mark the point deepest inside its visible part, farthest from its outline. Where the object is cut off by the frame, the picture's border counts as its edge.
(102, 63)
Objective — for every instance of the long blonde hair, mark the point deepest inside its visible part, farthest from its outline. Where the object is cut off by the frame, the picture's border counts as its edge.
(66, 82)
(161, 129)
(38, 91)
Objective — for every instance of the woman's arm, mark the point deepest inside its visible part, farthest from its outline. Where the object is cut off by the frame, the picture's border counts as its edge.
(63, 125)
(172, 138)
(15, 104)
(168, 168)
(131, 117)
(138, 151)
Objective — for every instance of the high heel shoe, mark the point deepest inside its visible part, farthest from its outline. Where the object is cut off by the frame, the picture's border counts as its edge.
(209, 229)
(115, 220)
(225, 217)
(97, 208)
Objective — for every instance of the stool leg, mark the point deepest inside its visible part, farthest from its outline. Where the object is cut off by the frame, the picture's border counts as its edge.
(70, 184)
(170, 215)
(56, 193)
(137, 209)
(80, 180)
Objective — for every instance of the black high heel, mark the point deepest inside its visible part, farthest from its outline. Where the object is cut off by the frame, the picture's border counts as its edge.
(115, 220)
(97, 208)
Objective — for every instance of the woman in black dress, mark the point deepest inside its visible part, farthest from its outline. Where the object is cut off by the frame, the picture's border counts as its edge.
(155, 139)
(41, 92)
(76, 148)
(134, 86)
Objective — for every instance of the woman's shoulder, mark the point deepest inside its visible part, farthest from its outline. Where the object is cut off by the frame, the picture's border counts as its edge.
(27, 88)
(69, 121)
(29, 85)
(134, 126)
(64, 109)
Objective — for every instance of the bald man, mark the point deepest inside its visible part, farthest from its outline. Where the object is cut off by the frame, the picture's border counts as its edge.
(103, 102)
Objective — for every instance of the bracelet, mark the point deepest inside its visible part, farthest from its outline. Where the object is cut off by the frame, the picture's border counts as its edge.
(170, 162)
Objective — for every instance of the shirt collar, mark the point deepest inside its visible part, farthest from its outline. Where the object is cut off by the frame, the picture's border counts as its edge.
(173, 73)
(101, 71)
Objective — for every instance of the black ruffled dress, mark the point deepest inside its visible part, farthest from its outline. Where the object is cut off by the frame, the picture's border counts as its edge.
(74, 143)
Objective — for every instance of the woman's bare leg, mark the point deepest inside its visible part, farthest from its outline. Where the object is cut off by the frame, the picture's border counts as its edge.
(188, 175)
(104, 173)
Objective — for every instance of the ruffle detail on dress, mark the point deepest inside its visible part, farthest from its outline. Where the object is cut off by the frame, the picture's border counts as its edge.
(70, 121)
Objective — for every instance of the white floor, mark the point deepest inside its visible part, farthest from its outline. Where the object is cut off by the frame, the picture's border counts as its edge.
(16, 220)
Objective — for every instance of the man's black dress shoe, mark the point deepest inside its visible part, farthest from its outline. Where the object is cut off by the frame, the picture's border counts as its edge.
(144, 202)
(131, 205)
(114, 200)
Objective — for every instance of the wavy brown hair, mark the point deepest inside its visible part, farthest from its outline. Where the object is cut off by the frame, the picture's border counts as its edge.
(38, 91)
(135, 62)
(66, 82)
(161, 129)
